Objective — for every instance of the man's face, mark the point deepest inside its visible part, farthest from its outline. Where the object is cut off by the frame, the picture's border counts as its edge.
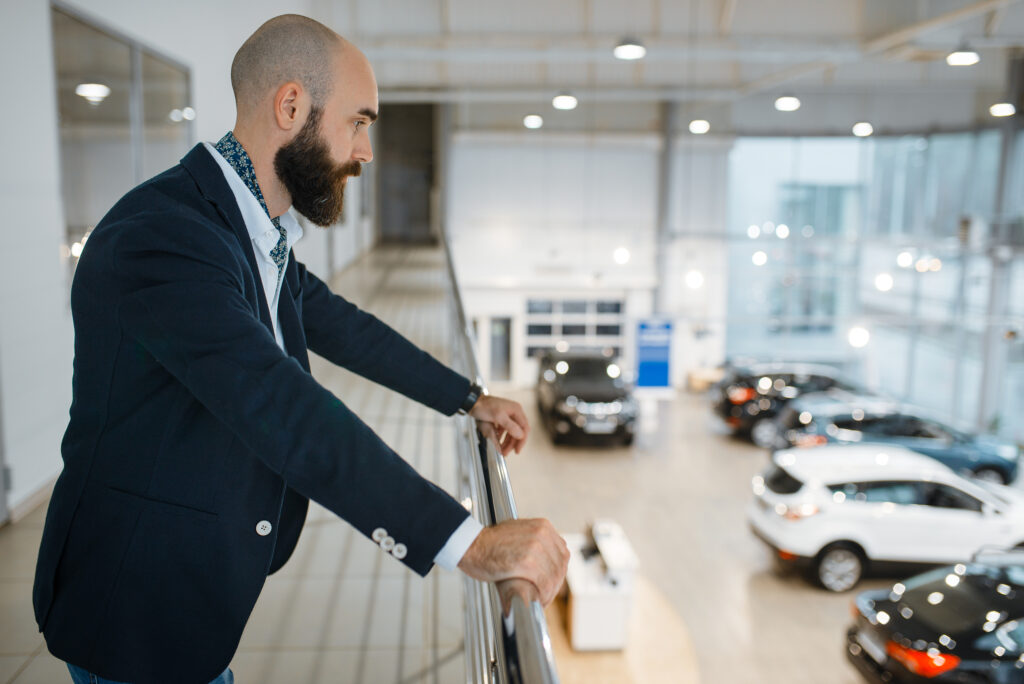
(332, 144)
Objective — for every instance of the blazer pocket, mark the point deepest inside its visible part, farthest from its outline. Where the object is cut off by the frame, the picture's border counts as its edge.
(165, 506)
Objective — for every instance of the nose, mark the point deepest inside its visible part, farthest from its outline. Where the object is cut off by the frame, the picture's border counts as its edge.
(363, 151)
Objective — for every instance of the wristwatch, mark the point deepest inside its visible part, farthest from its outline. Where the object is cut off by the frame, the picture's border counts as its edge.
(476, 390)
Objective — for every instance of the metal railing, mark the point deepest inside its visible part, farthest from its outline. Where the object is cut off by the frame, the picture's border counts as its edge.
(507, 640)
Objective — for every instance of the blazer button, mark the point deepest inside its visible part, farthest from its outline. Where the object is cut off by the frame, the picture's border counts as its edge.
(387, 543)
(263, 528)
(379, 534)
(399, 551)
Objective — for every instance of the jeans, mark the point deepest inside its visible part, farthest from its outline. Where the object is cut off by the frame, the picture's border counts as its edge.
(80, 676)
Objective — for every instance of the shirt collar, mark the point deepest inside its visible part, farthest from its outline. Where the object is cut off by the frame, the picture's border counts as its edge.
(257, 221)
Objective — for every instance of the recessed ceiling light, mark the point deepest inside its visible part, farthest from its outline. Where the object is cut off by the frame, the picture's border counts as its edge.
(699, 127)
(564, 101)
(94, 93)
(863, 129)
(962, 57)
(629, 49)
(787, 103)
(533, 121)
(1002, 109)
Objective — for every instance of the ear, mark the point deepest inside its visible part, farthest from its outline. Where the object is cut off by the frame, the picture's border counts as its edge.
(289, 103)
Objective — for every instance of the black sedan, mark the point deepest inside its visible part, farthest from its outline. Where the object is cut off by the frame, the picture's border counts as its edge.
(963, 623)
(749, 397)
(582, 395)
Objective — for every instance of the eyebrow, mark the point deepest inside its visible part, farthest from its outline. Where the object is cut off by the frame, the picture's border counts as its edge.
(369, 114)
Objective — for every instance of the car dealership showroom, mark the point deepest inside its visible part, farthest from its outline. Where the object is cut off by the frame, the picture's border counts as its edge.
(752, 269)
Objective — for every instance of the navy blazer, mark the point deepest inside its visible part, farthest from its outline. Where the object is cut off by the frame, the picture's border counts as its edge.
(191, 430)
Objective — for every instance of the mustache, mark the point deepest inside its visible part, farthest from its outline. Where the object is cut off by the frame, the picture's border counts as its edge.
(349, 168)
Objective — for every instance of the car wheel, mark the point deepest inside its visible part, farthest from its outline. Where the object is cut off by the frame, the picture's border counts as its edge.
(627, 440)
(764, 433)
(839, 568)
(990, 475)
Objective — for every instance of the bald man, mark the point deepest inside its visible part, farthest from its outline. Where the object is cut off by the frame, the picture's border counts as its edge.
(197, 435)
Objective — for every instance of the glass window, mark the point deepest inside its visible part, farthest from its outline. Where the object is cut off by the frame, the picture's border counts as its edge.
(537, 352)
(944, 496)
(574, 329)
(609, 307)
(609, 330)
(574, 307)
(539, 306)
(538, 329)
(889, 492)
(166, 114)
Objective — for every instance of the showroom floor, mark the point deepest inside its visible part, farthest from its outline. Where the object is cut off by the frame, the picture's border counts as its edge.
(709, 607)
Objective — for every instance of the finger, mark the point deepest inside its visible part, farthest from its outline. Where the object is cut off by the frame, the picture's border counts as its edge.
(487, 430)
(508, 423)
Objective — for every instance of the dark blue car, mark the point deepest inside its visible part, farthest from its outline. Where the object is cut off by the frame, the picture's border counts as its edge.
(842, 417)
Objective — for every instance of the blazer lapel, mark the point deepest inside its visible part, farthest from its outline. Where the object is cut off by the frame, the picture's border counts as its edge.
(288, 318)
(214, 188)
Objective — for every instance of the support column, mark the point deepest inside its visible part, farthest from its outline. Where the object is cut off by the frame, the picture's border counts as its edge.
(666, 181)
(994, 347)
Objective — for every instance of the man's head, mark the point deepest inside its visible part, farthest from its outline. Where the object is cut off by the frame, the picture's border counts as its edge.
(306, 96)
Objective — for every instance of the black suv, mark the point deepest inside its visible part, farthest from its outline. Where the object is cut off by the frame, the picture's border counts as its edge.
(749, 397)
(582, 395)
(963, 623)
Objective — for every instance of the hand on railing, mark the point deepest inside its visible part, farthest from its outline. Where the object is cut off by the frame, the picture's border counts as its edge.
(503, 422)
(529, 550)
(510, 588)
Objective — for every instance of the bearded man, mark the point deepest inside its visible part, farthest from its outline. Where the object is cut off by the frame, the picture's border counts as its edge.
(197, 435)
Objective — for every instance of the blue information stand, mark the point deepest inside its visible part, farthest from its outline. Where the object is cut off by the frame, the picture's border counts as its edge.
(653, 350)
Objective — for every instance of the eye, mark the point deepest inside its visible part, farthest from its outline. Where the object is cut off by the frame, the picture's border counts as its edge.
(360, 123)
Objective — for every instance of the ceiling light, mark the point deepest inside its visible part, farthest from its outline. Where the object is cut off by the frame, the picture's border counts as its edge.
(858, 337)
(533, 121)
(564, 101)
(787, 103)
(694, 279)
(863, 129)
(905, 259)
(782, 231)
(963, 57)
(1002, 109)
(188, 114)
(883, 282)
(753, 232)
(621, 256)
(94, 93)
(176, 116)
(759, 258)
(629, 49)
(699, 127)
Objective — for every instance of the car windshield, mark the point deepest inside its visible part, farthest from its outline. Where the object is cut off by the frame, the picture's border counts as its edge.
(587, 369)
(949, 602)
(781, 482)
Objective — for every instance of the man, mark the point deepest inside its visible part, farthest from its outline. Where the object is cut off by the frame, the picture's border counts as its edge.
(197, 435)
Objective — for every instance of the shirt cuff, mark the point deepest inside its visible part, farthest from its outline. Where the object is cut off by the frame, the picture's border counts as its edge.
(457, 545)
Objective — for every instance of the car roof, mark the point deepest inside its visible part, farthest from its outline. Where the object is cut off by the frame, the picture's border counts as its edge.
(837, 401)
(777, 367)
(833, 464)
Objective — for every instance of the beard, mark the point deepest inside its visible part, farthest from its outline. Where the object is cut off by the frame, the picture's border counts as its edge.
(315, 182)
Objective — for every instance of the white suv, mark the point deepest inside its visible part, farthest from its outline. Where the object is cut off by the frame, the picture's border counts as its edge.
(837, 509)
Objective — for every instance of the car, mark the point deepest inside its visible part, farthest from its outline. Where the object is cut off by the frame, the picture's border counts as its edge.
(581, 394)
(838, 416)
(839, 511)
(961, 623)
(749, 397)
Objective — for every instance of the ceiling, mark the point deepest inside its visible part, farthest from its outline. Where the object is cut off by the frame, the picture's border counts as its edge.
(718, 58)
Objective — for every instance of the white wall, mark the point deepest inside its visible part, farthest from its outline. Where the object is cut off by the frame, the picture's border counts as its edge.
(540, 215)
(35, 323)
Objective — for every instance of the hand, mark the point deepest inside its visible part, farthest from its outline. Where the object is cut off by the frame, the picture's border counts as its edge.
(502, 421)
(529, 550)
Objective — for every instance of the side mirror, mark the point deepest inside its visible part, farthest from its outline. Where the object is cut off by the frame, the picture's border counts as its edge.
(990, 509)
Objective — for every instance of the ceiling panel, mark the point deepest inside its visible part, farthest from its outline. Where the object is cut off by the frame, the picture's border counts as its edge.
(533, 16)
(378, 17)
(615, 17)
(797, 17)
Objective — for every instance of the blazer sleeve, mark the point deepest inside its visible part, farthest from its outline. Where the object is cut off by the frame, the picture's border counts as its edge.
(181, 299)
(343, 334)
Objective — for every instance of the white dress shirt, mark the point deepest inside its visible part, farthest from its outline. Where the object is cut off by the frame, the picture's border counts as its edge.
(264, 238)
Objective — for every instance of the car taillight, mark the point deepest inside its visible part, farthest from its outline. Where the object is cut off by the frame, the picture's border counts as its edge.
(810, 440)
(922, 663)
(741, 395)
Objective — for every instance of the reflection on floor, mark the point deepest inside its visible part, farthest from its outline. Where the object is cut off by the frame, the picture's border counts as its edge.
(709, 608)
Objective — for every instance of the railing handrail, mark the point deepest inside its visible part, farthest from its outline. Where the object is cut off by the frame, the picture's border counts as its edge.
(507, 639)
